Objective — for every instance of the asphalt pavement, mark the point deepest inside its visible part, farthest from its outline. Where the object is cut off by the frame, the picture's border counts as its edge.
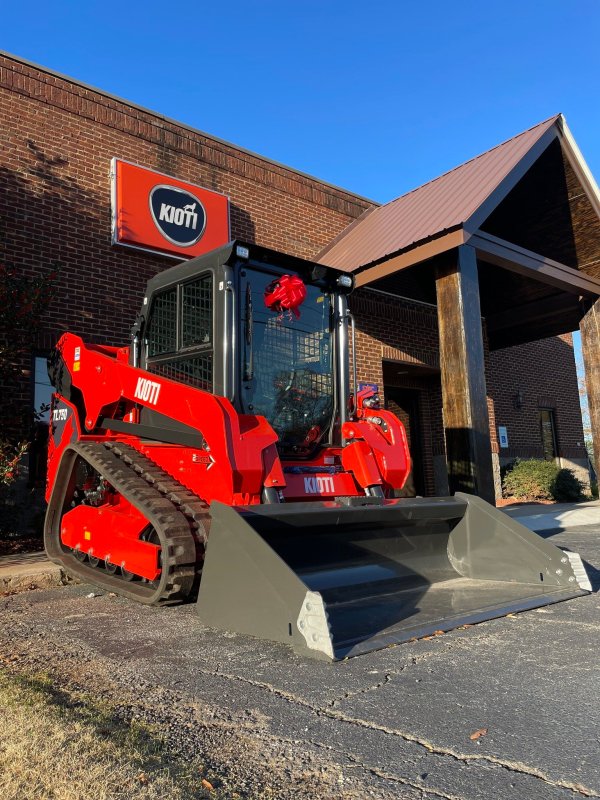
(504, 709)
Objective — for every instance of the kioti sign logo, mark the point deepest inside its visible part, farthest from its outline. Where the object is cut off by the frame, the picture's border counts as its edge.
(156, 212)
(178, 215)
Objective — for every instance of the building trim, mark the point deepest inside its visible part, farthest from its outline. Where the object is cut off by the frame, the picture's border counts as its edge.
(434, 247)
(526, 262)
(579, 165)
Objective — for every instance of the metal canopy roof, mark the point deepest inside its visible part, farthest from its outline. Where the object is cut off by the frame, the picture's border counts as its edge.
(456, 203)
(531, 210)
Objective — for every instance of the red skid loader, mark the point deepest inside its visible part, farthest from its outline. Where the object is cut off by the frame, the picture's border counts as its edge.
(228, 455)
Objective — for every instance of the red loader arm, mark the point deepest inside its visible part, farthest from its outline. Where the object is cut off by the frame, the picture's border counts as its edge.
(238, 455)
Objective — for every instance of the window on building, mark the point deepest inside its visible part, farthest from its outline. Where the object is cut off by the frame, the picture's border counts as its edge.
(42, 389)
(548, 432)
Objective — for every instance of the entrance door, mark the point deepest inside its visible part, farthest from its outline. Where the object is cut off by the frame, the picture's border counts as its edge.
(404, 403)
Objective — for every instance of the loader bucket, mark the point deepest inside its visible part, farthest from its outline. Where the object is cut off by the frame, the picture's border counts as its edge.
(336, 579)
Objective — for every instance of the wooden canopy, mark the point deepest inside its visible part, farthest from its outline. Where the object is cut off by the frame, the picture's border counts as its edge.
(531, 210)
(512, 236)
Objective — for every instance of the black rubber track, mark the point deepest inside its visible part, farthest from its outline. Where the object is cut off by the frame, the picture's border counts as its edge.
(180, 519)
(190, 505)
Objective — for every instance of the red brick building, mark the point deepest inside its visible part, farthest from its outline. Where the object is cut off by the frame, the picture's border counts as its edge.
(57, 141)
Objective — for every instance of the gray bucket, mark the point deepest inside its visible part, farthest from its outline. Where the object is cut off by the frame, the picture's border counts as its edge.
(340, 578)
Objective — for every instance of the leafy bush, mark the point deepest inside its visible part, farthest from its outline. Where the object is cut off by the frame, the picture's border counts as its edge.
(567, 488)
(10, 456)
(542, 480)
(506, 468)
(531, 480)
(24, 300)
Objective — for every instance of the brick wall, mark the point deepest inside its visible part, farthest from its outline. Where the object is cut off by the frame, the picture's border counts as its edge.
(57, 139)
(392, 330)
(544, 373)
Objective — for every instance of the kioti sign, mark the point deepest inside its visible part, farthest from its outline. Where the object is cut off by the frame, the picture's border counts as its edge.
(156, 212)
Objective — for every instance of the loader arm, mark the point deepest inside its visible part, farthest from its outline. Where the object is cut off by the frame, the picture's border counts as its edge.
(241, 446)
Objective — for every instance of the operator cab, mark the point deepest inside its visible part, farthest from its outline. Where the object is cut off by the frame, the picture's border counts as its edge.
(266, 330)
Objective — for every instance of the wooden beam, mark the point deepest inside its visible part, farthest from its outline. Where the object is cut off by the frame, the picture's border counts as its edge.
(411, 257)
(532, 265)
(590, 345)
(462, 363)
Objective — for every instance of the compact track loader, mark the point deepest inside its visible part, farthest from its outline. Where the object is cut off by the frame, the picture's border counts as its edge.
(229, 455)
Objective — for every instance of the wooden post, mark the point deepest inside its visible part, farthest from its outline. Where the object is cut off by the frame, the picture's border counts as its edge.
(590, 345)
(462, 363)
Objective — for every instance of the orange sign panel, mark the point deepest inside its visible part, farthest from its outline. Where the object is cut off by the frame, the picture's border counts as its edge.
(157, 212)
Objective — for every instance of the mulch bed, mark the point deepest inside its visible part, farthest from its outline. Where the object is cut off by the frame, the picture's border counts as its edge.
(12, 546)
(510, 501)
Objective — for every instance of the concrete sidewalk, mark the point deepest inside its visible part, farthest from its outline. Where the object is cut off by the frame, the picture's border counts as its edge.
(557, 516)
(34, 570)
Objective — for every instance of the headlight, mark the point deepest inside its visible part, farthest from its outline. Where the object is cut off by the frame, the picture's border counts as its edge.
(345, 281)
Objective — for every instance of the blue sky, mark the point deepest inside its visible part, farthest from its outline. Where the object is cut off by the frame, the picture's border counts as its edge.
(375, 97)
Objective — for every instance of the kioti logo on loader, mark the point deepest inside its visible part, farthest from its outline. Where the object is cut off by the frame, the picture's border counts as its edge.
(147, 391)
(177, 214)
(319, 485)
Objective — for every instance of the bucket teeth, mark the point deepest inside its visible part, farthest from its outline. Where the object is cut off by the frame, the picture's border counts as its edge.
(579, 572)
(313, 624)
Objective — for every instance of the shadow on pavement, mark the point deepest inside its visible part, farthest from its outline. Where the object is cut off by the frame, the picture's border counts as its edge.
(593, 574)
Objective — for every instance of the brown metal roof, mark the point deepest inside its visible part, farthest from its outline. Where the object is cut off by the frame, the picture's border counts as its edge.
(443, 204)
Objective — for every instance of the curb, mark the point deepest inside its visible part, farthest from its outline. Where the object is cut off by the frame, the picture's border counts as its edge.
(30, 571)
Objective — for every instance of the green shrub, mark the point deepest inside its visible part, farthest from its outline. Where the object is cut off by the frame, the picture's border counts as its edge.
(531, 480)
(567, 488)
(542, 480)
(506, 468)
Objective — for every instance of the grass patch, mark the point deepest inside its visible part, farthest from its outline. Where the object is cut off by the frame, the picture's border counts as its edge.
(58, 746)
